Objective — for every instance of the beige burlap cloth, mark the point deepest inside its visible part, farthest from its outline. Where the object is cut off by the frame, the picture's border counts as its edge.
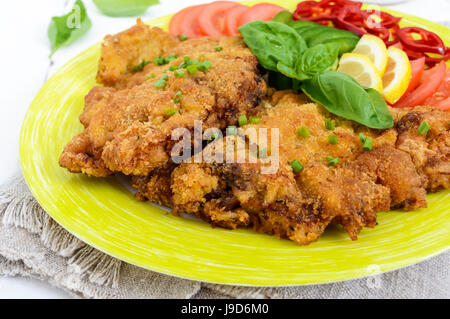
(33, 245)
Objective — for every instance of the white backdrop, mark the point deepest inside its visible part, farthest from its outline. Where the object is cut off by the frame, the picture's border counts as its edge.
(24, 67)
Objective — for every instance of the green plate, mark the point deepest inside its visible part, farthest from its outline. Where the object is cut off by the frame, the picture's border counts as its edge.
(103, 213)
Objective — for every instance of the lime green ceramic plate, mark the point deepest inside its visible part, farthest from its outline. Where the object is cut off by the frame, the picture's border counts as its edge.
(103, 213)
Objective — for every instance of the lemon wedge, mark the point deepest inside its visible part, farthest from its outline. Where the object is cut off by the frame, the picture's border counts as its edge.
(375, 49)
(362, 69)
(397, 76)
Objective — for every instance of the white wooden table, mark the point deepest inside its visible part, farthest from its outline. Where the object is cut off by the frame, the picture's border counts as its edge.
(25, 66)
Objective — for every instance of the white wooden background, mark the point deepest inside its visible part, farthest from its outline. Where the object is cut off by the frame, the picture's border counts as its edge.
(25, 66)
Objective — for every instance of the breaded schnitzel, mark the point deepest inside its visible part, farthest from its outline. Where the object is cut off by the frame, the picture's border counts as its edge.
(299, 206)
(128, 128)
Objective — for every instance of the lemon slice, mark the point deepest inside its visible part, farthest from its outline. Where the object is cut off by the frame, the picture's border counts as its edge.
(375, 49)
(397, 76)
(362, 69)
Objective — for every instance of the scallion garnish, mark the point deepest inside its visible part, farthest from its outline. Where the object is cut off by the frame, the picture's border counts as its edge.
(160, 84)
(177, 97)
(424, 128)
(191, 69)
(332, 139)
(242, 120)
(254, 119)
(303, 132)
(231, 130)
(333, 161)
(329, 125)
(179, 73)
(170, 111)
(296, 166)
(183, 37)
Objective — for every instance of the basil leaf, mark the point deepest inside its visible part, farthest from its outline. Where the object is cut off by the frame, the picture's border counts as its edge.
(283, 17)
(273, 42)
(341, 95)
(65, 29)
(124, 8)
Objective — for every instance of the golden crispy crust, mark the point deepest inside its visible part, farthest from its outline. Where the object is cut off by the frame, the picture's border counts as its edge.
(123, 51)
(128, 128)
(300, 206)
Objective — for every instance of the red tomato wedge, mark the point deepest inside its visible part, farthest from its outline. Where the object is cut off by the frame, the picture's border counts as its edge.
(186, 22)
(211, 20)
(262, 11)
(232, 19)
(417, 67)
(431, 80)
(441, 98)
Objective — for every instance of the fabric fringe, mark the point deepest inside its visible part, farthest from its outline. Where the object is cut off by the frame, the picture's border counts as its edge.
(101, 268)
(25, 212)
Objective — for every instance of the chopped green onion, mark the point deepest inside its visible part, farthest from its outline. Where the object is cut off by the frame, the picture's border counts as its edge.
(164, 77)
(204, 66)
(179, 73)
(242, 120)
(218, 48)
(367, 145)
(192, 69)
(296, 166)
(333, 161)
(231, 130)
(187, 59)
(151, 76)
(213, 137)
(177, 97)
(424, 128)
(329, 125)
(262, 152)
(183, 37)
(172, 57)
(332, 139)
(172, 68)
(362, 138)
(170, 111)
(303, 132)
(141, 66)
(254, 119)
(160, 60)
(160, 84)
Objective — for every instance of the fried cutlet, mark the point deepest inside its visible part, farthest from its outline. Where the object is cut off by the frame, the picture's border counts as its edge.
(127, 129)
(300, 206)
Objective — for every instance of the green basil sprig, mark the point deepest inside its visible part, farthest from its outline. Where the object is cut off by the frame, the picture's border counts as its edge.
(66, 29)
(314, 60)
(272, 42)
(124, 8)
(340, 94)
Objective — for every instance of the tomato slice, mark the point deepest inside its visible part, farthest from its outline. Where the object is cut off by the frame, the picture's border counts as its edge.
(232, 19)
(262, 11)
(430, 83)
(186, 22)
(212, 17)
(441, 98)
(417, 68)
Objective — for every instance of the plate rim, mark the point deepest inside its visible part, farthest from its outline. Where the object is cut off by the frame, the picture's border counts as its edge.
(360, 273)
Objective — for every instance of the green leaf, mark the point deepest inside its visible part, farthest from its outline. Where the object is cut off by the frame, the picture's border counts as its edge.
(341, 95)
(314, 60)
(273, 42)
(66, 29)
(283, 17)
(124, 8)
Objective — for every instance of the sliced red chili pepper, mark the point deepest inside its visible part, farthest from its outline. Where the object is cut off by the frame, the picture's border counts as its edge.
(386, 20)
(429, 42)
(434, 60)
